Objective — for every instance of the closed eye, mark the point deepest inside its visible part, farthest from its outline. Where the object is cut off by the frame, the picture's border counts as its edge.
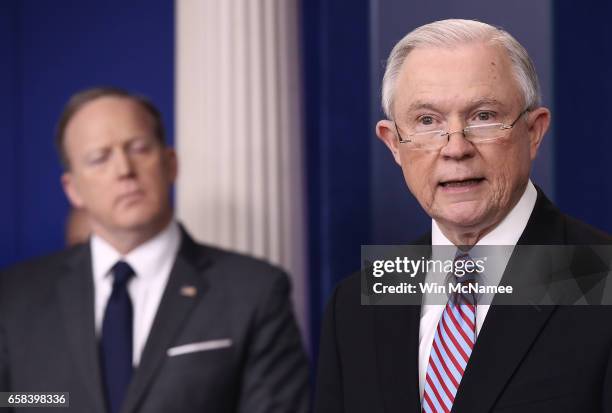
(97, 157)
(140, 146)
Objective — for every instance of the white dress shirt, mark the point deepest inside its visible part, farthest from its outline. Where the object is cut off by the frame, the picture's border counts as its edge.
(508, 233)
(152, 263)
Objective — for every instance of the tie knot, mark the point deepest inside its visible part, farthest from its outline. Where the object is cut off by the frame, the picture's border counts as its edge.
(122, 272)
(465, 268)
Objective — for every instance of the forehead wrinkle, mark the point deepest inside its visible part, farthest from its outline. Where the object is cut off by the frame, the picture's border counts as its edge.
(482, 76)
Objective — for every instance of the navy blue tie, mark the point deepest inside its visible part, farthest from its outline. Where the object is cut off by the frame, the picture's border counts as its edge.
(116, 345)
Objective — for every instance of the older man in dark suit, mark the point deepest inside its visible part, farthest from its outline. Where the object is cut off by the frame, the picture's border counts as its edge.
(465, 123)
(142, 318)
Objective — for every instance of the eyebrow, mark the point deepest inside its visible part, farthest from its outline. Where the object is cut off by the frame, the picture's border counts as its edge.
(421, 104)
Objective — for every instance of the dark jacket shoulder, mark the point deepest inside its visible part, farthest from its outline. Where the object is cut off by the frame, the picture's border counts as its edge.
(549, 226)
(37, 276)
(237, 272)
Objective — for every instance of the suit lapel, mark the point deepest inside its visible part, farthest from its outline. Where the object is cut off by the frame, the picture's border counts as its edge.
(506, 336)
(76, 299)
(174, 309)
(509, 331)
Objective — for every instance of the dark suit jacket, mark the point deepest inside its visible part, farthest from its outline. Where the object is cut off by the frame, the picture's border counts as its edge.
(48, 342)
(526, 358)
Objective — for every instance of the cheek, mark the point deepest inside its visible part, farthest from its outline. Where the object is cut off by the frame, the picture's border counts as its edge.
(417, 169)
(157, 179)
(95, 191)
(508, 167)
(156, 166)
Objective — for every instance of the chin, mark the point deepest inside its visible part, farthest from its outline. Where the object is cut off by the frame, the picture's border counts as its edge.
(460, 216)
(139, 220)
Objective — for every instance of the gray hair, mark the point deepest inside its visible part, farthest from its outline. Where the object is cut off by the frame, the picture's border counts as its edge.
(451, 32)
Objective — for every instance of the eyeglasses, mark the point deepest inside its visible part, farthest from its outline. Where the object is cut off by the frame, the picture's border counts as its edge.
(437, 139)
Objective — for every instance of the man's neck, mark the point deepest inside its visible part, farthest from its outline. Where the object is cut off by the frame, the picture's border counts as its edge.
(465, 237)
(124, 241)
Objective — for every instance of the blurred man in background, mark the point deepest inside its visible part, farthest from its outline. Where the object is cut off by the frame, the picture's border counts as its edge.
(142, 318)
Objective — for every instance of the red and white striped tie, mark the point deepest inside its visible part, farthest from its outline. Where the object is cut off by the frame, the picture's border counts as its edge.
(451, 350)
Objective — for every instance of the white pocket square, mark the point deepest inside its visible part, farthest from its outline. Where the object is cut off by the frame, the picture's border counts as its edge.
(199, 346)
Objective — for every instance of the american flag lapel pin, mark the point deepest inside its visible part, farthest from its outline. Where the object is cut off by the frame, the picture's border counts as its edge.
(189, 291)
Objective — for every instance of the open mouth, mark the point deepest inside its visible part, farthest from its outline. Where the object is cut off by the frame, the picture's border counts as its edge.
(460, 183)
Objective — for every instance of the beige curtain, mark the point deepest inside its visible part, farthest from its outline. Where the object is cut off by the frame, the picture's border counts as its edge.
(239, 133)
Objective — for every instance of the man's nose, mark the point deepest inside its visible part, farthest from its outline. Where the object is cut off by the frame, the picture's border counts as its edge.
(458, 146)
(123, 163)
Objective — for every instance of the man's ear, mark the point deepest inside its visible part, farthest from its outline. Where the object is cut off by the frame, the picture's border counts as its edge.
(385, 130)
(538, 122)
(171, 161)
(70, 190)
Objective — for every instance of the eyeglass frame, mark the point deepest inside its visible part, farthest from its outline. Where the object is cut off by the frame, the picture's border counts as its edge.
(503, 126)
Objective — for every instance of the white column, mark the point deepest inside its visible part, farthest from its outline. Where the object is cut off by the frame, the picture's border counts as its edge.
(239, 133)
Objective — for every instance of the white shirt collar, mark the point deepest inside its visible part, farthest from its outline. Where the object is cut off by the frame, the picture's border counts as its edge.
(145, 259)
(508, 231)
